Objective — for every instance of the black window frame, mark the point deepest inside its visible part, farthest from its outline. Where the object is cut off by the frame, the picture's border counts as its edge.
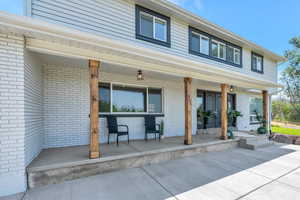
(138, 10)
(209, 56)
(262, 63)
(132, 114)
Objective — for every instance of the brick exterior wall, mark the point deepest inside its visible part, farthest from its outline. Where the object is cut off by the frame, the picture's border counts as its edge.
(12, 125)
(66, 106)
(33, 106)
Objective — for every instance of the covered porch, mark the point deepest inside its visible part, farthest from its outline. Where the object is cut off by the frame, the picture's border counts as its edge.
(65, 106)
(73, 137)
(71, 104)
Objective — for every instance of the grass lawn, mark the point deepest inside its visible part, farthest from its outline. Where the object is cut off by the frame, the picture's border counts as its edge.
(287, 131)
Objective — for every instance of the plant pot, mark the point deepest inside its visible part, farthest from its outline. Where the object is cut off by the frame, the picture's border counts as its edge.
(261, 130)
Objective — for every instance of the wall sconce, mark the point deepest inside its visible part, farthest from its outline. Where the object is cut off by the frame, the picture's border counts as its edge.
(140, 75)
(231, 88)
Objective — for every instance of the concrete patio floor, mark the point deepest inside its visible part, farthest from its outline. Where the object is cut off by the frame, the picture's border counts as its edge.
(267, 173)
(63, 155)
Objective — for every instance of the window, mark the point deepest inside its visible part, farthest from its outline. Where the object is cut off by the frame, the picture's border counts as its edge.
(155, 100)
(214, 49)
(146, 27)
(255, 109)
(218, 49)
(257, 63)
(160, 29)
(152, 26)
(237, 56)
(200, 43)
(104, 97)
(233, 55)
(128, 99)
(208, 46)
(120, 98)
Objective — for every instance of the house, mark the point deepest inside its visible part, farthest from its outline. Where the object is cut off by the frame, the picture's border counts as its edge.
(56, 60)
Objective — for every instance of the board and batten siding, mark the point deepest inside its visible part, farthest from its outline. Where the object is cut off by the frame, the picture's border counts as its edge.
(116, 19)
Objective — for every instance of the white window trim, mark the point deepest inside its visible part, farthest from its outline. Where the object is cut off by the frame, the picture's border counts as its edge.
(258, 58)
(236, 49)
(147, 99)
(252, 115)
(200, 39)
(153, 22)
(219, 49)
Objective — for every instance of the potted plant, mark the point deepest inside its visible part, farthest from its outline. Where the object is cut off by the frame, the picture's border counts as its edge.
(205, 116)
(263, 124)
(232, 115)
(161, 129)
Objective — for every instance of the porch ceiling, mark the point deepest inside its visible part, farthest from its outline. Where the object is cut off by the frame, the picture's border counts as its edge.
(59, 40)
(137, 61)
(128, 71)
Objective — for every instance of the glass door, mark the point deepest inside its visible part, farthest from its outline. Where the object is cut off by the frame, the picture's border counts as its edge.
(211, 101)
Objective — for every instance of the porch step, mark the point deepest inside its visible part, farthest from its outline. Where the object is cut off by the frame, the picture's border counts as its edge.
(254, 143)
(53, 174)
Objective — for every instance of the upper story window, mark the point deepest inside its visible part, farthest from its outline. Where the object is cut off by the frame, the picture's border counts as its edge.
(208, 46)
(257, 63)
(218, 49)
(199, 43)
(152, 26)
(233, 55)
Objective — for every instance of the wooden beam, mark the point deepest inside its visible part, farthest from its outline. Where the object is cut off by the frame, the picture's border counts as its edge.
(94, 109)
(224, 120)
(188, 110)
(266, 108)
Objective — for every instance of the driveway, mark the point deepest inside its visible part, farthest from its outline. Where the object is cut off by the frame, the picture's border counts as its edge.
(267, 173)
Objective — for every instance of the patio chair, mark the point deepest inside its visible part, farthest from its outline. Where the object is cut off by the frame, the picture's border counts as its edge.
(151, 127)
(113, 128)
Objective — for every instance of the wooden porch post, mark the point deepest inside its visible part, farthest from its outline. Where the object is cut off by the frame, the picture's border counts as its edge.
(266, 108)
(224, 120)
(188, 110)
(94, 109)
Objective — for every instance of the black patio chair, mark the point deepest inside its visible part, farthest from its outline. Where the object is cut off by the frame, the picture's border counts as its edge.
(151, 127)
(113, 128)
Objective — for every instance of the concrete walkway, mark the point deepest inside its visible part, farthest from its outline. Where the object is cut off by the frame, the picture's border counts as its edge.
(268, 173)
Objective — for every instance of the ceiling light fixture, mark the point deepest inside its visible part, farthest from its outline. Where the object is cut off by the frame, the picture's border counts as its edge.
(140, 75)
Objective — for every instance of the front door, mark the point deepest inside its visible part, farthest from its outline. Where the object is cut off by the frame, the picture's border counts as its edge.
(211, 101)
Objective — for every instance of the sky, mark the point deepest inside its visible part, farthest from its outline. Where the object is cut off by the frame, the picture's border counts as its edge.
(269, 23)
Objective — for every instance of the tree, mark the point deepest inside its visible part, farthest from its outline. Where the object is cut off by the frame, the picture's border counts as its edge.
(290, 77)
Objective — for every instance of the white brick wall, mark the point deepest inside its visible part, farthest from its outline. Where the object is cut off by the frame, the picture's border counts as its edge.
(12, 125)
(33, 107)
(66, 106)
